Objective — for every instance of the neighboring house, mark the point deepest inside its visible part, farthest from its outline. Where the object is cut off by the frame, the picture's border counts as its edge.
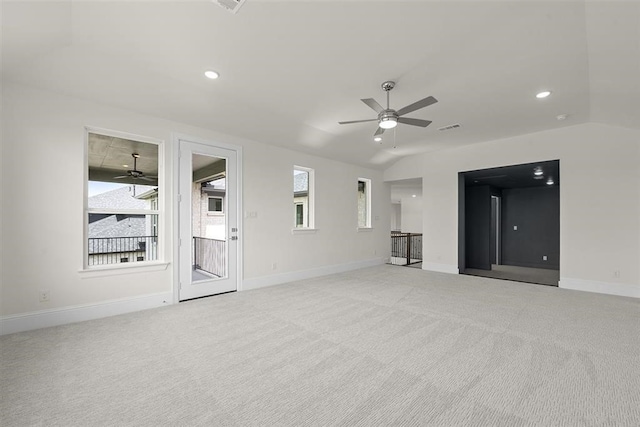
(208, 209)
(208, 225)
(115, 238)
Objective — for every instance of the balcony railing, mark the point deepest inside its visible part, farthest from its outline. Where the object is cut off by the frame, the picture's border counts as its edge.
(209, 255)
(115, 250)
(406, 248)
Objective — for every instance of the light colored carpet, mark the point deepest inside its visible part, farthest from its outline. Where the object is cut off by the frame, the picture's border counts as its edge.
(379, 346)
(541, 276)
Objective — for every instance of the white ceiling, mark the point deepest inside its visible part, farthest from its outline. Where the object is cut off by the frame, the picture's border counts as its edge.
(290, 70)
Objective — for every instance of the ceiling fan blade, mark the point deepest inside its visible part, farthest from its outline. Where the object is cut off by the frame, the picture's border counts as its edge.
(417, 105)
(121, 176)
(358, 121)
(146, 178)
(379, 131)
(414, 122)
(373, 104)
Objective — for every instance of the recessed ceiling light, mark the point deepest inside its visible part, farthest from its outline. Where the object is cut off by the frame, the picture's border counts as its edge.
(211, 74)
(550, 181)
(377, 138)
(543, 94)
(413, 195)
(538, 171)
(125, 166)
(562, 116)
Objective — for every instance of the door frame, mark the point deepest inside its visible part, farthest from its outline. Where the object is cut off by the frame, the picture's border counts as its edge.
(175, 195)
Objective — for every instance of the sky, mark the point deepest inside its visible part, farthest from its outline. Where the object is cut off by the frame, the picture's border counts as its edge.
(97, 187)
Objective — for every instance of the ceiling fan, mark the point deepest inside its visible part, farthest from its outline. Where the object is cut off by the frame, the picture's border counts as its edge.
(389, 118)
(135, 173)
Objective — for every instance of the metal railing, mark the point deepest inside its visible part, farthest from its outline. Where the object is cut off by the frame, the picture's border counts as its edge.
(209, 255)
(115, 250)
(406, 248)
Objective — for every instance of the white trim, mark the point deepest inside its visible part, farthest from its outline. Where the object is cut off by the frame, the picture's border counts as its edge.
(361, 229)
(311, 195)
(620, 289)
(303, 230)
(162, 248)
(122, 268)
(440, 268)
(367, 195)
(176, 139)
(277, 279)
(80, 313)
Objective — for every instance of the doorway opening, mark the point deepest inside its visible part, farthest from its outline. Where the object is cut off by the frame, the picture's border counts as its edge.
(406, 223)
(509, 223)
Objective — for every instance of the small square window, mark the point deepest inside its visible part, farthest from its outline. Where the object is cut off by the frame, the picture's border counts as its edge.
(215, 204)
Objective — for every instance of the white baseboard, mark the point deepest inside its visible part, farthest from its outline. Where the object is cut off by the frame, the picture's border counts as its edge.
(440, 268)
(63, 316)
(620, 289)
(277, 279)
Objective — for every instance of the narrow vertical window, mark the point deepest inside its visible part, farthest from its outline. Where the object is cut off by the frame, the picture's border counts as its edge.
(364, 203)
(303, 197)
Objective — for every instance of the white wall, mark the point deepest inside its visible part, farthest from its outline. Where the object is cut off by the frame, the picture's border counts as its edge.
(42, 214)
(411, 214)
(396, 216)
(599, 200)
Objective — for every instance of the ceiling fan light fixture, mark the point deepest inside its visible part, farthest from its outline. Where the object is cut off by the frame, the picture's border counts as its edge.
(377, 138)
(388, 122)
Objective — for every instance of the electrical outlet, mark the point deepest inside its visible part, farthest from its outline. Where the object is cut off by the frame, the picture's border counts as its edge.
(44, 296)
(274, 266)
(515, 227)
(616, 274)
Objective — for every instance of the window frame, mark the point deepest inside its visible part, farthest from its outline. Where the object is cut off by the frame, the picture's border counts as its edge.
(221, 211)
(310, 200)
(367, 195)
(157, 214)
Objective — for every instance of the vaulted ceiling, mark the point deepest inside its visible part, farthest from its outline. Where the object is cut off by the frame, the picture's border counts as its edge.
(290, 70)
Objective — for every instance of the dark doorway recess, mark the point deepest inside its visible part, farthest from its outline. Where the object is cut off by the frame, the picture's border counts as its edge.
(509, 222)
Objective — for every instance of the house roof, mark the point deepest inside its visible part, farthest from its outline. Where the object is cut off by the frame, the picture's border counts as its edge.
(290, 70)
(127, 197)
(300, 182)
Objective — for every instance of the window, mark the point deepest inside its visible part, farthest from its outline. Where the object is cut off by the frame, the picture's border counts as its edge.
(303, 197)
(121, 203)
(299, 215)
(215, 204)
(364, 203)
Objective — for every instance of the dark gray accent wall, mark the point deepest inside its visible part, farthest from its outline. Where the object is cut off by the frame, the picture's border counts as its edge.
(478, 227)
(536, 213)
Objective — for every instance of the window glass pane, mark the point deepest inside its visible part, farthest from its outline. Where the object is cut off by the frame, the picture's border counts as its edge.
(301, 197)
(123, 174)
(299, 215)
(118, 238)
(364, 203)
(215, 204)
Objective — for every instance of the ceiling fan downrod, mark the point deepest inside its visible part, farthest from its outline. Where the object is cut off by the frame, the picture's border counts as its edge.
(387, 86)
